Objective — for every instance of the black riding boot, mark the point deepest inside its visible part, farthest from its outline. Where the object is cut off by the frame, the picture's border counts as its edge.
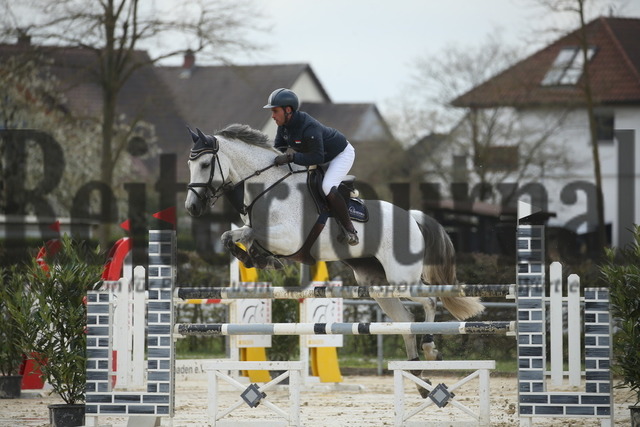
(339, 208)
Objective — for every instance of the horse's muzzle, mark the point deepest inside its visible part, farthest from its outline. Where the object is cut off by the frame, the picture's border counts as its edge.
(195, 204)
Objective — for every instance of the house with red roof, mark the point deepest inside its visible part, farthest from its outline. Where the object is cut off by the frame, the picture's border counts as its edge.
(551, 83)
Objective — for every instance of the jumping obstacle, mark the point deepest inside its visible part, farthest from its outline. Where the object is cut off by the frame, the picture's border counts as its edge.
(533, 401)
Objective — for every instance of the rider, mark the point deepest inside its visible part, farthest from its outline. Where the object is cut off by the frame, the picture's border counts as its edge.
(306, 142)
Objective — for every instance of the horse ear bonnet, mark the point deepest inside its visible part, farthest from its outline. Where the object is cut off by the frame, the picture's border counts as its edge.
(202, 144)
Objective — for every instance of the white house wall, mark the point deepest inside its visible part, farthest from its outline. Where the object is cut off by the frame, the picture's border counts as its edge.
(565, 187)
(574, 137)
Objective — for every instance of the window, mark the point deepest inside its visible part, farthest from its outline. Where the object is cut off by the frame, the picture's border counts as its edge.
(605, 125)
(567, 67)
(498, 159)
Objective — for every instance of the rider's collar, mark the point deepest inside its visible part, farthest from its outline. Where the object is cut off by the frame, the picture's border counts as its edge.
(293, 119)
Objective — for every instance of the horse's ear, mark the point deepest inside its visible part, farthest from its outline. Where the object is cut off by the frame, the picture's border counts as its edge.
(201, 136)
(194, 136)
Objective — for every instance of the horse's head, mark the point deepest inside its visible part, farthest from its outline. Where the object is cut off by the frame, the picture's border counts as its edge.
(207, 182)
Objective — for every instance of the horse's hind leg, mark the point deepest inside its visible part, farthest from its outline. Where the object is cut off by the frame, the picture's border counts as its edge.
(427, 343)
(371, 272)
(394, 308)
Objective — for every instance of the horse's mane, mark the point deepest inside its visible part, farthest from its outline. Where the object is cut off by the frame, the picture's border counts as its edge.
(245, 133)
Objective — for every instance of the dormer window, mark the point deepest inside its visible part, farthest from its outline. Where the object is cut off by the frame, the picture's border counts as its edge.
(567, 67)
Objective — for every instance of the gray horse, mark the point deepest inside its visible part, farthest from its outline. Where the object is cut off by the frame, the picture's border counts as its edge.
(397, 248)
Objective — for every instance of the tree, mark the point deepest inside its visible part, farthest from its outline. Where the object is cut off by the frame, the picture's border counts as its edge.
(485, 147)
(115, 30)
(33, 100)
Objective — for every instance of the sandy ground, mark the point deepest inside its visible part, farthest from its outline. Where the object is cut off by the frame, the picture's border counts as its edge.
(358, 401)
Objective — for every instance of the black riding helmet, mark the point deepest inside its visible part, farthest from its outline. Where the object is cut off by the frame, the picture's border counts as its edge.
(283, 98)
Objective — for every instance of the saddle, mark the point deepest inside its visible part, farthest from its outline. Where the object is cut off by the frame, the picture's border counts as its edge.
(357, 210)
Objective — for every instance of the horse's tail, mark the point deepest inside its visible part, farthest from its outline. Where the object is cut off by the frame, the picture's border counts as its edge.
(440, 266)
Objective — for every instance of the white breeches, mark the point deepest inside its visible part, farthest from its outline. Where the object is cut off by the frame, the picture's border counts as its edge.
(338, 168)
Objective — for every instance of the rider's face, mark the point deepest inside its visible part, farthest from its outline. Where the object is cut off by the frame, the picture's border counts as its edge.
(279, 115)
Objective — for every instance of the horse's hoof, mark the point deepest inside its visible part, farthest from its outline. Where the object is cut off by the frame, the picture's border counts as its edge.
(260, 262)
(227, 241)
(424, 393)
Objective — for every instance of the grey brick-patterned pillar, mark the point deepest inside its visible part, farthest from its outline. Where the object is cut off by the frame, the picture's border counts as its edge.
(158, 399)
(533, 398)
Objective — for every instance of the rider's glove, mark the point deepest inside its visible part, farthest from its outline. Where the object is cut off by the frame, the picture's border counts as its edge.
(283, 159)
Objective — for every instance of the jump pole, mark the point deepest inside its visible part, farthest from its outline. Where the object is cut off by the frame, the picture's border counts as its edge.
(347, 292)
(402, 328)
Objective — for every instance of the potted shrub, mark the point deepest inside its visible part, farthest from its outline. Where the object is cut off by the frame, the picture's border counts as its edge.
(11, 293)
(54, 329)
(622, 272)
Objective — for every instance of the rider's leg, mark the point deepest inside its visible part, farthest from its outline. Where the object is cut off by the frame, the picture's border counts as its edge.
(339, 209)
(337, 170)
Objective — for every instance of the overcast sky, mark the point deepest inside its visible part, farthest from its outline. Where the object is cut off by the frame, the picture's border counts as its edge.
(362, 50)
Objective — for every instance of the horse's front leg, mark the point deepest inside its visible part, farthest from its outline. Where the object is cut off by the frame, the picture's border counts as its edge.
(264, 260)
(242, 235)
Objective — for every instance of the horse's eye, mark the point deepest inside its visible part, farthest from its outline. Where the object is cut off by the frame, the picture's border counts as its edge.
(206, 165)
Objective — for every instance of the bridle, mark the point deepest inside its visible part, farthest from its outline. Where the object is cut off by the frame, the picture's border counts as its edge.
(208, 144)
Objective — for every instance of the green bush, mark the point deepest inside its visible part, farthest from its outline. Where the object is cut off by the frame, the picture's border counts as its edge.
(52, 315)
(11, 295)
(622, 272)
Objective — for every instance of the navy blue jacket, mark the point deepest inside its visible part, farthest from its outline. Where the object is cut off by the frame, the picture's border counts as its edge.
(314, 142)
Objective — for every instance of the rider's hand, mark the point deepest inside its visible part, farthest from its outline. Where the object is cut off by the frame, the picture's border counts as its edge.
(283, 159)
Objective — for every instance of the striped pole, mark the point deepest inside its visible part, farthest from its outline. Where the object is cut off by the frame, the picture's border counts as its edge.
(265, 291)
(385, 328)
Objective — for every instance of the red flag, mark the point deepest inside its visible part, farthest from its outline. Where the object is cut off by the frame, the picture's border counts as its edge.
(167, 215)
